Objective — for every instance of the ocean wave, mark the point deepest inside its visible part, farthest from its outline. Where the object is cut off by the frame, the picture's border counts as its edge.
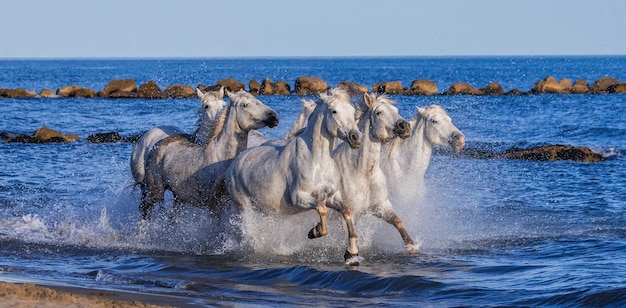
(589, 297)
(352, 282)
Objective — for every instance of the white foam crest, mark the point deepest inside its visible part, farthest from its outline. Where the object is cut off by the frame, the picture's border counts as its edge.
(608, 153)
(113, 222)
(462, 205)
(26, 224)
(104, 276)
(432, 218)
(288, 234)
(376, 234)
(195, 231)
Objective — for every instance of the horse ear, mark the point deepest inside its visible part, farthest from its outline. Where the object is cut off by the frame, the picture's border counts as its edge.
(421, 110)
(220, 92)
(368, 100)
(228, 93)
(199, 92)
(308, 105)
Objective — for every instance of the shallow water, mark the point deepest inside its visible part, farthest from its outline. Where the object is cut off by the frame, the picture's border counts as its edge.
(491, 232)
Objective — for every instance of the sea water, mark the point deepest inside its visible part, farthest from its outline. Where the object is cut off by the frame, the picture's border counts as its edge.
(491, 232)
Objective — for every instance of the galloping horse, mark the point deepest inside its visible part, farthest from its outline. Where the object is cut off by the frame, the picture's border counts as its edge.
(298, 175)
(406, 160)
(190, 170)
(363, 184)
(211, 104)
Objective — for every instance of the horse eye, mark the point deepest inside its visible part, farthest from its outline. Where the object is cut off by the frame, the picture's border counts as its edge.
(334, 111)
(378, 113)
(244, 105)
(206, 107)
(434, 121)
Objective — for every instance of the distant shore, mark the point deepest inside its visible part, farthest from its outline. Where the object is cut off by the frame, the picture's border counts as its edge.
(308, 85)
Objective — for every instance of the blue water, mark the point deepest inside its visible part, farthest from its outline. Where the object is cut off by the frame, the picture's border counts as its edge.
(492, 232)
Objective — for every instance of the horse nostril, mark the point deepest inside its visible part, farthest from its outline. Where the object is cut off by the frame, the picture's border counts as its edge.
(271, 119)
(458, 141)
(354, 137)
(403, 125)
(402, 129)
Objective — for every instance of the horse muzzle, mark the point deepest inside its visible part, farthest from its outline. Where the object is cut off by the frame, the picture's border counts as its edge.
(457, 141)
(402, 129)
(272, 119)
(354, 139)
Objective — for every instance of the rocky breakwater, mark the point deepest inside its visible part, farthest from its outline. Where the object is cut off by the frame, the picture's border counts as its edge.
(42, 135)
(49, 135)
(554, 152)
(122, 88)
(544, 153)
(308, 85)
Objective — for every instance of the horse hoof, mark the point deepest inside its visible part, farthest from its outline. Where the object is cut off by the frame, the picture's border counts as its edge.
(352, 259)
(412, 249)
(315, 233)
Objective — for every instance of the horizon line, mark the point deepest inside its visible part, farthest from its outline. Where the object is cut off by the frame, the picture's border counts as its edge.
(308, 57)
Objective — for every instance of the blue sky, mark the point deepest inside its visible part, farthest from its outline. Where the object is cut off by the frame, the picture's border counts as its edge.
(302, 28)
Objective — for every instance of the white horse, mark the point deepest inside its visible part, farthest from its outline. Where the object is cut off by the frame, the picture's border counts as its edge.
(211, 104)
(363, 183)
(405, 161)
(190, 170)
(299, 175)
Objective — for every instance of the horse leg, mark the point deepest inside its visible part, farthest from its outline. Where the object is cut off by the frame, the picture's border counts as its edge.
(353, 250)
(146, 205)
(390, 217)
(321, 228)
(151, 193)
(177, 209)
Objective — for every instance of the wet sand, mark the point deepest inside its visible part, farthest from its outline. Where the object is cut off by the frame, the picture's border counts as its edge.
(28, 294)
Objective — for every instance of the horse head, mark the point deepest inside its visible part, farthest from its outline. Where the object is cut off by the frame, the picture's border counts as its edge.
(307, 109)
(251, 113)
(385, 121)
(438, 127)
(211, 104)
(339, 117)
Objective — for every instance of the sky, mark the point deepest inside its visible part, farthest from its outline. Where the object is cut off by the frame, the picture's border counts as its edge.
(303, 28)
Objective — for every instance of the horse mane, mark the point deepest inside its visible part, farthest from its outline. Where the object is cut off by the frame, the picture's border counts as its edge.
(200, 122)
(212, 94)
(362, 107)
(335, 95)
(218, 125)
(382, 97)
(421, 113)
(427, 111)
(416, 118)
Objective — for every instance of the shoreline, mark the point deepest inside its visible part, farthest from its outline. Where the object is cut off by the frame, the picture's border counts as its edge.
(19, 292)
